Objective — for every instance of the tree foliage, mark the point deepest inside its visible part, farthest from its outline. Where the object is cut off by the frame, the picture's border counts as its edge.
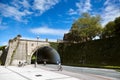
(84, 29)
(2, 47)
(109, 30)
(117, 26)
(112, 28)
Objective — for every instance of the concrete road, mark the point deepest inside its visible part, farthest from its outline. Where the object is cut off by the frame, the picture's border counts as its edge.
(50, 72)
(30, 73)
(85, 73)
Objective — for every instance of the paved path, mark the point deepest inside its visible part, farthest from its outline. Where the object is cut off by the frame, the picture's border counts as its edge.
(85, 73)
(50, 72)
(30, 73)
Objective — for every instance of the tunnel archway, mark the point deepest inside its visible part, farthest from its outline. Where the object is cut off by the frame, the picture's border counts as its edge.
(46, 53)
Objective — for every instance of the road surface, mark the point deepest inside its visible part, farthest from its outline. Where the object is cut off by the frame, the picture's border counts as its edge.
(30, 73)
(50, 72)
(85, 73)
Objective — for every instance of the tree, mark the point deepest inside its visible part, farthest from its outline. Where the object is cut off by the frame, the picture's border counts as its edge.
(72, 37)
(117, 26)
(112, 28)
(109, 30)
(2, 47)
(85, 28)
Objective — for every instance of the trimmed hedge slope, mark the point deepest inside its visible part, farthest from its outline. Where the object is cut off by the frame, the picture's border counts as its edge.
(98, 52)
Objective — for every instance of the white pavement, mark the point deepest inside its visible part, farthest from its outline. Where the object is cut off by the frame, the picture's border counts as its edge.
(30, 73)
(78, 74)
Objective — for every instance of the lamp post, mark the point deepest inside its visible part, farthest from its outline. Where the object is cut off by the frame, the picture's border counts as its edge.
(36, 53)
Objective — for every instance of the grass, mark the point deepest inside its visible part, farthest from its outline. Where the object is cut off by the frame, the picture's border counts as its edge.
(117, 68)
(112, 67)
(54, 45)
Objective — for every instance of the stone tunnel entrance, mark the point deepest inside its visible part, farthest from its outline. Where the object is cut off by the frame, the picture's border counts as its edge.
(47, 54)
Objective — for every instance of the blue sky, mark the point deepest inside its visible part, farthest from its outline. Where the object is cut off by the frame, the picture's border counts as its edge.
(49, 18)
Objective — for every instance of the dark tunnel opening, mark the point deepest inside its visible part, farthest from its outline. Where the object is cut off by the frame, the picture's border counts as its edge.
(47, 54)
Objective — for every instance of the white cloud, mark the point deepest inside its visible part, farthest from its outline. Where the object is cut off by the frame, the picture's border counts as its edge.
(49, 31)
(20, 9)
(2, 27)
(110, 12)
(3, 43)
(40, 39)
(52, 40)
(72, 12)
(106, 2)
(43, 5)
(10, 11)
(87, 5)
(82, 6)
(29, 38)
(21, 4)
(25, 4)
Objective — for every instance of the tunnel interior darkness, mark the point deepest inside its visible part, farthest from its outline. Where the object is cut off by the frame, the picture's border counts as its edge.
(46, 53)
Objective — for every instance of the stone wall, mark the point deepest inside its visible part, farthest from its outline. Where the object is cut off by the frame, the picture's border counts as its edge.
(22, 50)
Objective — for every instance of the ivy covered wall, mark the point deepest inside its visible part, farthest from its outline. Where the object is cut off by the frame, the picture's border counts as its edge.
(97, 52)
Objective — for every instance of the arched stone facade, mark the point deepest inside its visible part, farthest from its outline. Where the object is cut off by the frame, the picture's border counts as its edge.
(22, 50)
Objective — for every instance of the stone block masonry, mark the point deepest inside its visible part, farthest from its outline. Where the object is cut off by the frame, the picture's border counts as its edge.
(22, 50)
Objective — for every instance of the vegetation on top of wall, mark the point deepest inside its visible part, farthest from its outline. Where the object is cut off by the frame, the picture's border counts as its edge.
(87, 27)
(3, 51)
(54, 45)
(111, 29)
(84, 29)
(2, 47)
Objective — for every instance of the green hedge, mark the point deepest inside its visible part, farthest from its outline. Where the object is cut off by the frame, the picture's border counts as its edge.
(98, 52)
(54, 45)
(2, 47)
